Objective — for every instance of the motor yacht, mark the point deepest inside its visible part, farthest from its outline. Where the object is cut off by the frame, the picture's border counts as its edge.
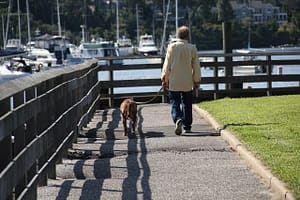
(147, 45)
(125, 47)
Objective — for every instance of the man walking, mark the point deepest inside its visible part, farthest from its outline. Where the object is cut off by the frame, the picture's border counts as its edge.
(181, 74)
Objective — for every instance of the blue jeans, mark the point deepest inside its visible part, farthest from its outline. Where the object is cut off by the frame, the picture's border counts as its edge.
(181, 103)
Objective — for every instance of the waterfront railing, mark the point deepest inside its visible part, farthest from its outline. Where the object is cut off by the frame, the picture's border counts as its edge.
(230, 75)
(40, 117)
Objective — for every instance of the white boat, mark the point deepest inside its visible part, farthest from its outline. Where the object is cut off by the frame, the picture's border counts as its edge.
(42, 57)
(74, 50)
(58, 45)
(21, 64)
(97, 49)
(172, 38)
(6, 74)
(147, 45)
(14, 44)
(125, 47)
(247, 55)
(13, 47)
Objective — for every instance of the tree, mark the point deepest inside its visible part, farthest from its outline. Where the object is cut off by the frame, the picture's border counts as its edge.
(225, 13)
(200, 16)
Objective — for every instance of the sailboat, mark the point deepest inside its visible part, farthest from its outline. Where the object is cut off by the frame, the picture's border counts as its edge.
(124, 45)
(172, 37)
(96, 48)
(12, 46)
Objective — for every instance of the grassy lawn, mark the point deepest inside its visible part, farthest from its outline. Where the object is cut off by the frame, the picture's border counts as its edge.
(269, 127)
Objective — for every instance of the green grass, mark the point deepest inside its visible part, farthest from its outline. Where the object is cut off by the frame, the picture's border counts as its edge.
(269, 127)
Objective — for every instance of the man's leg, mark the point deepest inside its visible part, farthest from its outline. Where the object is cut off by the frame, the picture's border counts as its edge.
(175, 100)
(187, 100)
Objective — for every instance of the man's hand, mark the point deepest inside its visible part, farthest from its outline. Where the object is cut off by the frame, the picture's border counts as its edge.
(196, 85)
(165, 85)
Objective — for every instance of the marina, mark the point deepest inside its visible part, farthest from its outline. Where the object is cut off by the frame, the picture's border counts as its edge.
(6, 74)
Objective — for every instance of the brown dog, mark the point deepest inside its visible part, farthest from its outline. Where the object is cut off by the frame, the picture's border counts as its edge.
(128, 109)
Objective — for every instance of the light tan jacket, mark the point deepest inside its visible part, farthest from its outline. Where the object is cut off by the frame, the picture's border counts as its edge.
(181, 67)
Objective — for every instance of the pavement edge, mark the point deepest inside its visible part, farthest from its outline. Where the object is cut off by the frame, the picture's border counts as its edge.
(272, 181)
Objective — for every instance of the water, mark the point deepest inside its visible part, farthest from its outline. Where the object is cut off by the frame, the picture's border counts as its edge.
(6, 74)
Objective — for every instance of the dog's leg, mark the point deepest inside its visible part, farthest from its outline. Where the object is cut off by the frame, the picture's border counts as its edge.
(133, 125)
(125, 125)
(133, 113)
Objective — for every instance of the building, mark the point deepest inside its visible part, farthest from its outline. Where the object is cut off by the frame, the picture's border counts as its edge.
(258, 12)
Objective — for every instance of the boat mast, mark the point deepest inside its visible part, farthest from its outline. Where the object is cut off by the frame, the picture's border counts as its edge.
(84, 25)
(58, 18)
(19, 21)
(3, 32)
(28, 24)
(117, 16)
(82, 33)
(165, 26)
(137, 23)
(249, 25)
(7, 22)
(176, 17)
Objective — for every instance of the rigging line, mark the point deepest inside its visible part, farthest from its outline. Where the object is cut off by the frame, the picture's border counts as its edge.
(165, 26)
(7, 21)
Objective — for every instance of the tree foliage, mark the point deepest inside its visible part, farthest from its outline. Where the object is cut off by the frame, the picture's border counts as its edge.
(225, 12)
(204, 17)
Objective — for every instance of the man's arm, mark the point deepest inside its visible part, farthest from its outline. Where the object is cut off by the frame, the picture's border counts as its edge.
(166, 70)
(196, 68)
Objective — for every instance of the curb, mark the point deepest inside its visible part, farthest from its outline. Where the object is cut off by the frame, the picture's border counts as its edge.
(272, 181)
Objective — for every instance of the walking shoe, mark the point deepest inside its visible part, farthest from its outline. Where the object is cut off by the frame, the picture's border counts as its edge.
(187, 131)
(178, 127)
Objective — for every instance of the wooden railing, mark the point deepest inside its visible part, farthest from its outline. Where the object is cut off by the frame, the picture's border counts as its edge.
(235, 83)
(39, 119)
(227, 85)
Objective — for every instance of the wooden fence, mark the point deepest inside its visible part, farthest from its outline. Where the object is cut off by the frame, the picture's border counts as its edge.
(40, 116)
(230, 84)
(269, 72)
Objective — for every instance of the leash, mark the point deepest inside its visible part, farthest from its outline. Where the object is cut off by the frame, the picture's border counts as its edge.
(196, 93)
(150, 100)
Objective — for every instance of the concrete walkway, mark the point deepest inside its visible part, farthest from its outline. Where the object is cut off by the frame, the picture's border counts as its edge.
(154, 164)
